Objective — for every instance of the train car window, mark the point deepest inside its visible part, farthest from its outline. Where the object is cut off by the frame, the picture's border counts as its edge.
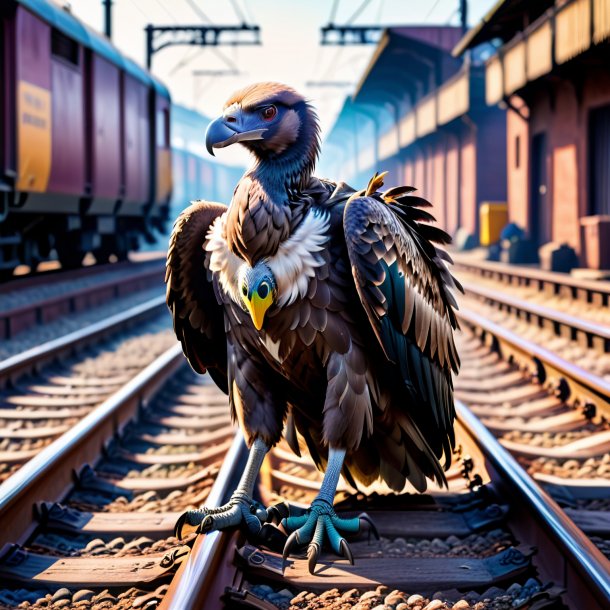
(64, 47)
(163, 128)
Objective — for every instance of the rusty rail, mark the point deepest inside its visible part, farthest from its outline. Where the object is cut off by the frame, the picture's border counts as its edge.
(595, 333)
(590, 388)
(577, 556)
(49, 473)
(33, 358)
(16, 319)
(193, 585)
(579, 289)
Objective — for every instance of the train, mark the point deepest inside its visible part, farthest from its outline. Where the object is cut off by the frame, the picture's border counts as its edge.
(86, 161)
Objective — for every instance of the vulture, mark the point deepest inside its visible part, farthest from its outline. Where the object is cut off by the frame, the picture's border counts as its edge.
(323, 312)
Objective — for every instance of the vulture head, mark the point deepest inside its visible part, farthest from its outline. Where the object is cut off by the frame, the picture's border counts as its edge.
(258, 291)
(274, 122)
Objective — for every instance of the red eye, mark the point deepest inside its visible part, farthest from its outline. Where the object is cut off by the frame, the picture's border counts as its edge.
(269, 113)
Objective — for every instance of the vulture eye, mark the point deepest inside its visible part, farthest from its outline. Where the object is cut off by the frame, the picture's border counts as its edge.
(263, 290)
(244, 290)
(269, 113)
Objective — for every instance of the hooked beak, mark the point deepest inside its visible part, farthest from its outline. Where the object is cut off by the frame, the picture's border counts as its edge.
(220, 134)
(258, 308)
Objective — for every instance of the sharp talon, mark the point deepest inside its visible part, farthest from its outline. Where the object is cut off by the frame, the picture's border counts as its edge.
(293, 540)
(346, 551)
(364, 517)
(188, 521)
(206, 525)
(313, 553)
(178, 526)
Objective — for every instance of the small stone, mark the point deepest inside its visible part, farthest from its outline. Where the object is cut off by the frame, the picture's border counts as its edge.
(382, 607)
(402, 607)
(60, 594)
(532, 584)
(435, 604)
(461, 605)
(95, 544)
(394, 598)
(438, 546)
(381, 590)
(299, 598)
(83, 594)
(514, 589)
(414, 599)
(62, 603)
(368, 595)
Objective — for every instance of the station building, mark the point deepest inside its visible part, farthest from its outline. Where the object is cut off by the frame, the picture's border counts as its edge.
(420, 113)
(551, 70)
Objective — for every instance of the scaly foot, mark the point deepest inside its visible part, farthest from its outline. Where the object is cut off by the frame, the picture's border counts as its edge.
(240, 509)
(317, 523)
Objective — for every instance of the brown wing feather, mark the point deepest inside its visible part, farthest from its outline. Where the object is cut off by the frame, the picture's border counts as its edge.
(404, 287)
(198, 318)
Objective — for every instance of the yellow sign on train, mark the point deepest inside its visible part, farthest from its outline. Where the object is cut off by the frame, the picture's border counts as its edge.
(34, 137)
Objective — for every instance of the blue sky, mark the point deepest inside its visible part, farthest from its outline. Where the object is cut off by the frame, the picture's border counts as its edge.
(290, 51)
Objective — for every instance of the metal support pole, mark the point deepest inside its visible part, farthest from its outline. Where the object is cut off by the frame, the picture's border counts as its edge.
(107, 18)
(464, 15)
(149, 45)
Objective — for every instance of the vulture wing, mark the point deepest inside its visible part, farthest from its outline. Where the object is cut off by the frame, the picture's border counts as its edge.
(198, 318)
(404, 286)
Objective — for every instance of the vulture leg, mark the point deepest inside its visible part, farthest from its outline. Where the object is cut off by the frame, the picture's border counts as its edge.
(321, 521)
(240, 508)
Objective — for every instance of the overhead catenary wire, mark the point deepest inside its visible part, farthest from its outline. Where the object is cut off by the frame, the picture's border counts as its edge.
(432, 9)
(333, 11)
(358, 12)
(195, 7)
(238, 12)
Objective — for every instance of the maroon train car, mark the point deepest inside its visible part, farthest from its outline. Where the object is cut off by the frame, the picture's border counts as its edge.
(85, 163)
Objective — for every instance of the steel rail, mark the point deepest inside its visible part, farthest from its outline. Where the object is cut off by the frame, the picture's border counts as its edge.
(539, 311)
(49, 473)
(533, 275)
(580, 552)
(191, 585)
(31, 358)
(592, 386)
(39, 278)
(112, 288)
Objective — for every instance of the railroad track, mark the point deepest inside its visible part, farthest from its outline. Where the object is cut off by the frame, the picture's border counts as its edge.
(40, 299)
(107, 494)
(471, 546)
(46, 390)
(103, 537)
(108, 538)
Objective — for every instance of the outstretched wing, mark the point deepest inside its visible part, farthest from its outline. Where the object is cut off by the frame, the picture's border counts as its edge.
(198, 318)
(404, 286)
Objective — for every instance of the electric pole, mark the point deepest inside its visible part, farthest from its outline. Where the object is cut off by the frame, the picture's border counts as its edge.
(107, 18)
(160, 37)
(464, 15)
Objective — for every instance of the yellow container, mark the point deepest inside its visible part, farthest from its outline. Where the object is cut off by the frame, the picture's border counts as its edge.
(493, 218)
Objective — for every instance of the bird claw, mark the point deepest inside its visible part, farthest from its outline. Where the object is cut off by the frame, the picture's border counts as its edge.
(240, 509)
(346, 551)
(364, 518)
(292, 541)
(318, 523)
(313, 554)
